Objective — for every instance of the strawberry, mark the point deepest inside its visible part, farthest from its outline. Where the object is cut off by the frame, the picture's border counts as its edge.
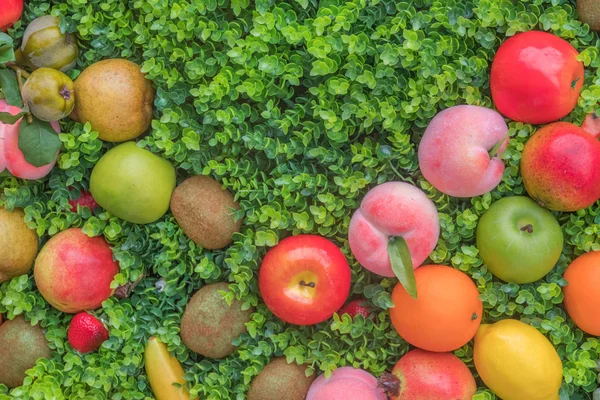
(85, 200)
(86, 333)
(355, 307)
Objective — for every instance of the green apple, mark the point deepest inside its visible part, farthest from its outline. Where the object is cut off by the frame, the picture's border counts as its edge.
(133, 183)
(519, 241)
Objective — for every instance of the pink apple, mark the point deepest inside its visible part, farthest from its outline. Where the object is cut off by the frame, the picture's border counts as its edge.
(454, 153)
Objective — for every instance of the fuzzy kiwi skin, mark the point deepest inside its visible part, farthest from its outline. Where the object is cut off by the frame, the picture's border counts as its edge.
(209, 325)
(282, 381)
(589, 12)
(20, 347)
(204, 212)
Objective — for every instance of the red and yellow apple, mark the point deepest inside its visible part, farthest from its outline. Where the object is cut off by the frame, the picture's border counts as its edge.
(304, 280)
(10, 12)
(11, 157)
(73, 271)
(560, 169)
(536, 77)
(422, 375)
(459, 153)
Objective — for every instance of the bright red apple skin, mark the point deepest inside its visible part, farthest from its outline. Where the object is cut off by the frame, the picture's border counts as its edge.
(536, 78)
(291, 269)
(560, 167)
(432, 376)
(73, 271)
(10, 12)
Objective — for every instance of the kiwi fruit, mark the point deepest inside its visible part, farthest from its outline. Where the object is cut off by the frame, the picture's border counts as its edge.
(205, 212)
(18, 244)
(209, 324)
(282, 381)
(589, 13)
(21, 344)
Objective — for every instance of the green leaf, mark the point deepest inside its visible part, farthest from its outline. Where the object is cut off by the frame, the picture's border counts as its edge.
(10, 87)
(39, 142)
(402, 264)
(7, 53)
(9, 119)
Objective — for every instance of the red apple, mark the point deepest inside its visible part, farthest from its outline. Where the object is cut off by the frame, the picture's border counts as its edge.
(10, 12)
(536, 77)
(304, 280)
(560, 169)
(423, 375)
(73, 271)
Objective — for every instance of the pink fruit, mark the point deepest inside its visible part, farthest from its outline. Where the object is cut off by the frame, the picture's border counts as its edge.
(389, 210)
(73, 271)
(11, 156)
(454, 151)
(423, 375)
(346, 383)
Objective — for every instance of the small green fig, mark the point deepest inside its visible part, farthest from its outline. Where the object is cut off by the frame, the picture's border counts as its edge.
(49, 94)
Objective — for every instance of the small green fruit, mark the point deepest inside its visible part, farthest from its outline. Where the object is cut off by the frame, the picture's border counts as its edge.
(133, 184)
(49, 94)
(519, 241)
(44, 45)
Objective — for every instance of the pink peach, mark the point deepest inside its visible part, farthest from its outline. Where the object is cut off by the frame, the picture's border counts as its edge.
(346, 383)
(11, 156)
(388, 210)
(454, 151)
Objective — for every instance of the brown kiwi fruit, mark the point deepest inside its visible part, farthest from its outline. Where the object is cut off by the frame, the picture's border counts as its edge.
(205, 212)
(282, 381)
(209, 324)
(589, 13)
(20, 347)
(18, 244)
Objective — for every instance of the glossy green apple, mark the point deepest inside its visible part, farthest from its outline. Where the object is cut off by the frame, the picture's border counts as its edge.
(133, 184)
(519, 241)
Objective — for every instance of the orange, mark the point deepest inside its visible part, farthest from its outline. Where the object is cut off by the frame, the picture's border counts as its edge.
(582, 298)
(446, 313)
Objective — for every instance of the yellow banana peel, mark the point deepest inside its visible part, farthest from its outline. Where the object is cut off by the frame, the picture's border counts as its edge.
(163, 371)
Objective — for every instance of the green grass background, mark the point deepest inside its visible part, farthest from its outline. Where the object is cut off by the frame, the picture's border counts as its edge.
(298, 107)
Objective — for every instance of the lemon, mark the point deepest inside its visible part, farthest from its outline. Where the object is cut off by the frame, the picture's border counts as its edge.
(517, 362)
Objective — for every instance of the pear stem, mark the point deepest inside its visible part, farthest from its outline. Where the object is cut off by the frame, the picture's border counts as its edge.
(24, 73)
(20, 83)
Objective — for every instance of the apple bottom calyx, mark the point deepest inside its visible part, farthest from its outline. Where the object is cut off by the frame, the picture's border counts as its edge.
(390, 384)
(527, 228)
(309, 284)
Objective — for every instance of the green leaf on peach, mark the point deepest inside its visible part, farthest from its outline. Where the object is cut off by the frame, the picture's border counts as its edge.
(402, 264)
(39, 142)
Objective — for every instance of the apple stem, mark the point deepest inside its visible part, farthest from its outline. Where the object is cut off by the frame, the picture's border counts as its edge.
(390, 384)
(527, 228)
(574, 83)
(496, 149)
(309, 284)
